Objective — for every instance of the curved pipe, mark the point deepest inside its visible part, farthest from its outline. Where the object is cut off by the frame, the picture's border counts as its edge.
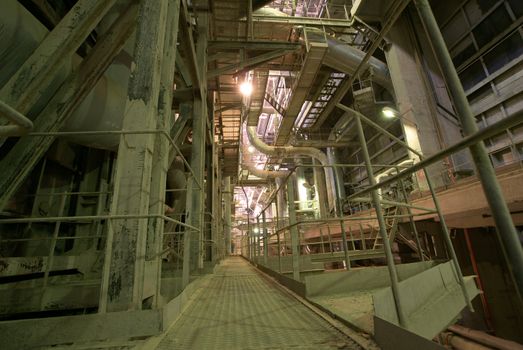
(283, 151)
(265, 174)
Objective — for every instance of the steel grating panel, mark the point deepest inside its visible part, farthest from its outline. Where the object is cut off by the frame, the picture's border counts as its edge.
(240, 309)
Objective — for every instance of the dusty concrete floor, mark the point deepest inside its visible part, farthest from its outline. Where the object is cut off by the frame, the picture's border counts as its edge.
(240, 309)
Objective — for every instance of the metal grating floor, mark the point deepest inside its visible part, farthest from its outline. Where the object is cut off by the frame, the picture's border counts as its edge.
(240, 309)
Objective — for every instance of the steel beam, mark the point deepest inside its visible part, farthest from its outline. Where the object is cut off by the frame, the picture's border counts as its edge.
(18, 163)
(124, 264)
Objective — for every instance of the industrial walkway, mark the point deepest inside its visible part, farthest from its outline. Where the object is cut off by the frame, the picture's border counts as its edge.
(240, 309)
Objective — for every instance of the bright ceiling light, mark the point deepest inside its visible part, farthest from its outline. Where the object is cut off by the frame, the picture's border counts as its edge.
(246, 88)
(389, 112)
(251, 149)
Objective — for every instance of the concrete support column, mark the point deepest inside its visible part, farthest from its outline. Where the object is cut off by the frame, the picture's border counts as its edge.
(294, 230)
(192, 253)
(153, 268)
(416, 103)
(124, 264)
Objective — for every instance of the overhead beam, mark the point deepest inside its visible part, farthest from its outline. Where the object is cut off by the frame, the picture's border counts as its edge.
(252, 45)
(249, 63)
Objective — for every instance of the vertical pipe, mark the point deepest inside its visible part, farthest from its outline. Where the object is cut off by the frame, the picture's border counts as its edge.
(381, 220)
(294, 230)
(504, 224)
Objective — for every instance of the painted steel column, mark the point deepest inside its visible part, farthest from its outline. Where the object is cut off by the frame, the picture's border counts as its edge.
(192, 254)
(381, 220)
(123, 273)
(500, 212)
(227, 199)
(161, 154)
(294, 230)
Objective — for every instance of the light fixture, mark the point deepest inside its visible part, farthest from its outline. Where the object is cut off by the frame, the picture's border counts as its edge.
(251, 149)
(256, 230)
(389, 112)
(246, 88)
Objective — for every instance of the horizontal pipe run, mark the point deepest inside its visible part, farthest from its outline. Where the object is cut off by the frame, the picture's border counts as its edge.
(22, 124)
(485, 133)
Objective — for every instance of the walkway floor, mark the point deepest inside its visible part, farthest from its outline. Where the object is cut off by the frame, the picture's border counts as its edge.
(240, 309)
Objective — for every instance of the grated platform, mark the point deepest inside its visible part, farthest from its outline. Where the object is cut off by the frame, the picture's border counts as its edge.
(240, 309)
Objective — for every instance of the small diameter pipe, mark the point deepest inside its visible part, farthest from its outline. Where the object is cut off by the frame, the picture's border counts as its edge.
(22, 124)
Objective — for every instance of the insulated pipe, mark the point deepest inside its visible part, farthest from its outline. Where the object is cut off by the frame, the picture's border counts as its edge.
(265, 174)
(283, 151)
(346, 59)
